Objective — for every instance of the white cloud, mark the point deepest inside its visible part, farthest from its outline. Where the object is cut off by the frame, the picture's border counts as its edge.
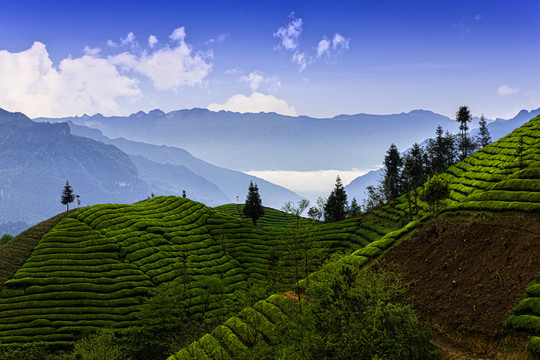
(323, 47)
(256, 78)
(219, 39)
(91, 51)
(289, 36)
(290, 33)
(255, 103)
(152, 40)
(300, 59)
(169, 67)
(178, 34)
(339, 43)
(308, 181)
(128, 40)
(111, 43)
(505, 90)
(31, 84)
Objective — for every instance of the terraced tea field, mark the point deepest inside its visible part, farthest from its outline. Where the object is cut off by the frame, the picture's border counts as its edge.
(504, 176)
(95, 266)
(271, 217)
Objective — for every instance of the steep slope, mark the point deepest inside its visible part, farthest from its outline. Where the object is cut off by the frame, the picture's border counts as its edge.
(231, 183)
(94, 267)
(36, 159)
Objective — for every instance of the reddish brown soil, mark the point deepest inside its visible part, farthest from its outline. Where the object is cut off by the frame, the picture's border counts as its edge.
(470, 272)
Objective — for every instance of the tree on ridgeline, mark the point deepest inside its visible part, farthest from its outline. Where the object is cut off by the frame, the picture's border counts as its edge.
(392, 173)
(335, 208)
(466, 145)
(253, 207)
(413, 174)
(440, 152)
(435, 191)
(67, 195)
(484, 138)
(354, 209)
(295, 210)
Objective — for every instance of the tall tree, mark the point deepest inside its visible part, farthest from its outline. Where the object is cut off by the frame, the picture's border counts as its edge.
(253, 207)
(392, 167)
(440, 152)
(463, 117)
(67, 195)
(484, 138)
(414, 172)
(335, 208)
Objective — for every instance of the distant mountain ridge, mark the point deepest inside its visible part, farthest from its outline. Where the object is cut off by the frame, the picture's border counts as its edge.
(228, 183)
(36, 159)
(268, 141)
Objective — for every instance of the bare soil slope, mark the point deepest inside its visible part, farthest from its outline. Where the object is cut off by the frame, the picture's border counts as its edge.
(470, 271)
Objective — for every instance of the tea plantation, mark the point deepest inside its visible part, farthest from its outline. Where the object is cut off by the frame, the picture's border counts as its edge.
(94, 267)
(503, 176)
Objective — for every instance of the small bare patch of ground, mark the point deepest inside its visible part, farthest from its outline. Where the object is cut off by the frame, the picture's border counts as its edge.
(467, 273)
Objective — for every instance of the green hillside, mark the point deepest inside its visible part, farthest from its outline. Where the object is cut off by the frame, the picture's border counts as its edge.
(271, 217)
(501, 176)
(504, 176)
(95, 266)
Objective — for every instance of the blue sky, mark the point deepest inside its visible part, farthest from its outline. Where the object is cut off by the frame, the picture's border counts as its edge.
(61, 58)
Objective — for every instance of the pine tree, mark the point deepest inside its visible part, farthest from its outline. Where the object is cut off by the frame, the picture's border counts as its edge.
(392, 177)
(485, 137)
(335, 208)
(253, 207)
(464, 116)
(67, 195)
(414, 172)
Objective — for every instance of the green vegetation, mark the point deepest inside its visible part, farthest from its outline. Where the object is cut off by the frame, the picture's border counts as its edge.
(96, 266)
(67, 195)
(349, 313)
(253, 207)
(271, 218)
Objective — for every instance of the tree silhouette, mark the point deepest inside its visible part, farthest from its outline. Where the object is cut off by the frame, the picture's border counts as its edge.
(335, 208)
(253, 207)
(463, 117)
(392, 176)
(67, 195)
(485, 138)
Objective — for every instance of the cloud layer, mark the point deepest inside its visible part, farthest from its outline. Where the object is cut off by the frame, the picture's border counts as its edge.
(92, 83)
(255, 103)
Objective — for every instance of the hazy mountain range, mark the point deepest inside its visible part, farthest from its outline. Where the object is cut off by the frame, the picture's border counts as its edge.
(36, 159)
(268, 141)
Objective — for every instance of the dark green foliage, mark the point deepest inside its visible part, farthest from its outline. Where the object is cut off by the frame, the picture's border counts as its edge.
(253, 207)
(5, 238)
(435, 191)
(102, 345)
(484, 138)
(350, 314)
(335, 208)
(67, 195)
(440, 152)
(392, 173)
(465, 145)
